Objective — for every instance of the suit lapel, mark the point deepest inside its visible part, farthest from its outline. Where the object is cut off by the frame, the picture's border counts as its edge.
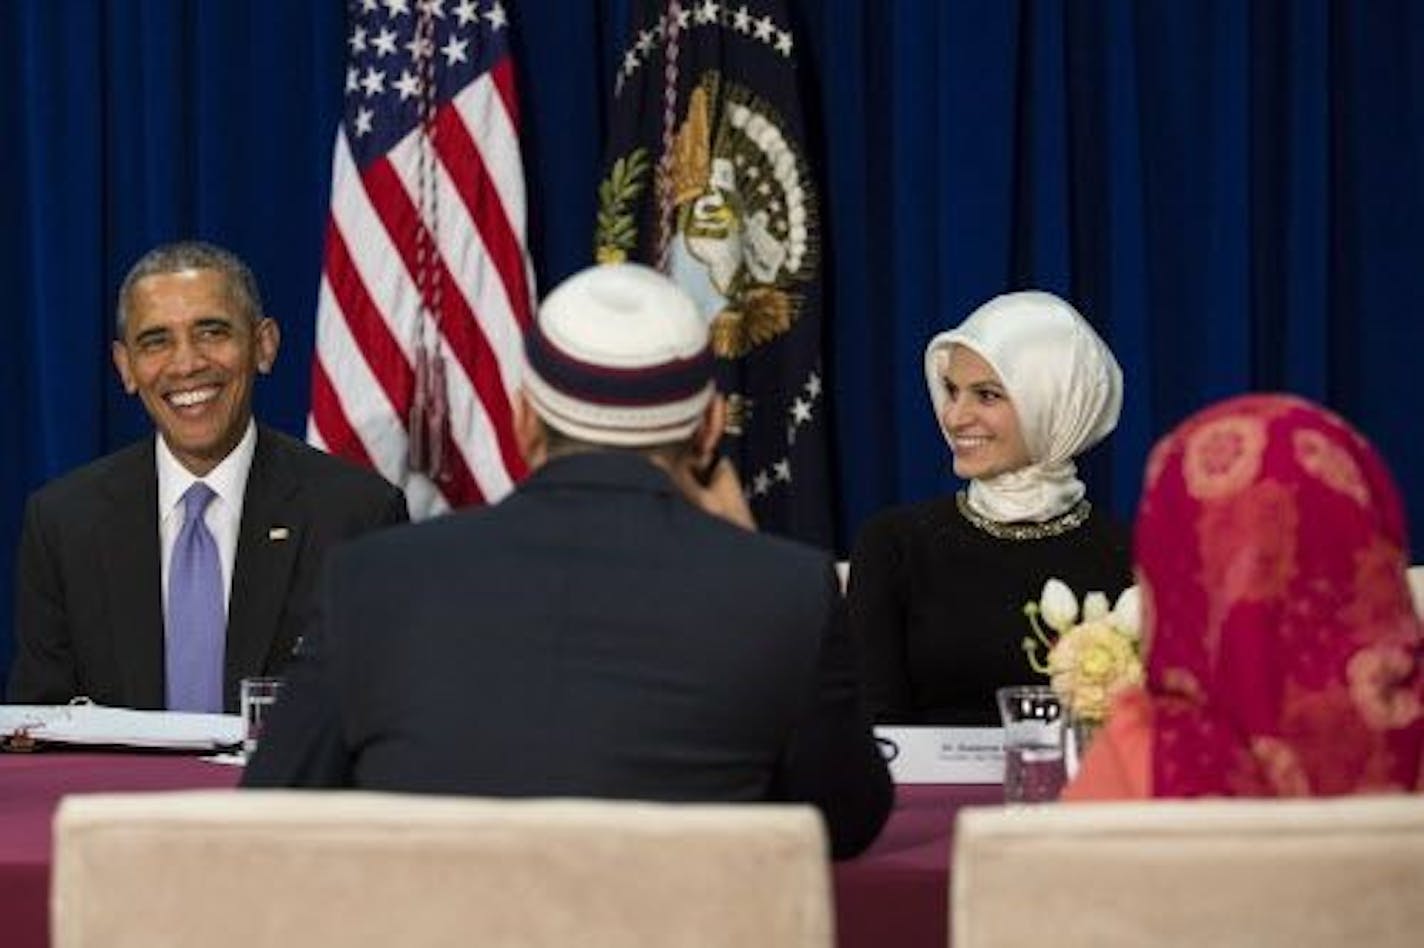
(129, 555)
(267, 545)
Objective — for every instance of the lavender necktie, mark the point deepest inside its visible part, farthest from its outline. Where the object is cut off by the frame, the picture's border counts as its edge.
(195, 623)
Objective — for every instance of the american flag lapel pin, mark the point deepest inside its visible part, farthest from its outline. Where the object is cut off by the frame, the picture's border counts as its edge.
(278, 534)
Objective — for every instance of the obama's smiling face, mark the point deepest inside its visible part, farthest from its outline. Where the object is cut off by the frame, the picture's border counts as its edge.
(190, 350)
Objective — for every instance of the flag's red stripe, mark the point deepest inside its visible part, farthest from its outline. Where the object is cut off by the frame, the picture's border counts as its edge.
(456, 482)
(341, 439)
(472, 179)
(368, 327)
(503, 76)
(467, 339)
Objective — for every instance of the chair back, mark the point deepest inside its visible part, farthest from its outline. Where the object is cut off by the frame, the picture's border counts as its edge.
(266, 868)
(1304, 874)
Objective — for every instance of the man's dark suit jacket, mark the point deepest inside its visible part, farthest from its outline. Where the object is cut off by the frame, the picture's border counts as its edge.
(591, 635)
(88, 598)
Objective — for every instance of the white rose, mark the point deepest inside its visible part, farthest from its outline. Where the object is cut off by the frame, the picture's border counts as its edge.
(1058, 606)
(1127, 613)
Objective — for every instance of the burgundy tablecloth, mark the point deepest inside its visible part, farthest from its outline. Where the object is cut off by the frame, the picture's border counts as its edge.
(30, 788)
(897, 894)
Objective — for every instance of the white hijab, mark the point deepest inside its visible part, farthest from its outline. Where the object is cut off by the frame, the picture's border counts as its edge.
(1064, 384)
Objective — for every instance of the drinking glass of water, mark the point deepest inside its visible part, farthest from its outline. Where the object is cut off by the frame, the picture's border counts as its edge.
(1033, 743)
(258, 695)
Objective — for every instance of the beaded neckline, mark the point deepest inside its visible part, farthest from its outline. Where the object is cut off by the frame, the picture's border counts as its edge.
(1059, 525)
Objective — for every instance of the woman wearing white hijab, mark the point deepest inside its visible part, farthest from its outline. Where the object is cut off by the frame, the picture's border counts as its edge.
(937, 589)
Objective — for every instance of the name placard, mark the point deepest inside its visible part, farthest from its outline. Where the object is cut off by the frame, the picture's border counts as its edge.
(943, 754)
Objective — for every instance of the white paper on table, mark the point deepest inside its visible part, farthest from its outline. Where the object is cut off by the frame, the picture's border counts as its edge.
(96, 724)
(943, 754)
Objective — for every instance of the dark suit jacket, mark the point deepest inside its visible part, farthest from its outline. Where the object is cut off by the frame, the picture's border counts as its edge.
(591, 635)
(88, 599)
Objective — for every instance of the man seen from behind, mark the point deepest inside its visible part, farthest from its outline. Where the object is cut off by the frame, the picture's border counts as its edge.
(614, 628)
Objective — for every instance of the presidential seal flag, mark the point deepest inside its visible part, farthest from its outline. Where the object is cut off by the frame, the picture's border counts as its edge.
(706, 178)
(426, 286)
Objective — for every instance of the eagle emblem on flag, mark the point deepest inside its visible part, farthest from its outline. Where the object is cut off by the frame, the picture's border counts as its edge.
(744, 211)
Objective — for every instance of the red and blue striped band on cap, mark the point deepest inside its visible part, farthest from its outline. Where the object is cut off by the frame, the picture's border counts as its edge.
(644, 386)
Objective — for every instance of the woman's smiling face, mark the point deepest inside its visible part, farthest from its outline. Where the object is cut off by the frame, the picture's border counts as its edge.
(979, 419)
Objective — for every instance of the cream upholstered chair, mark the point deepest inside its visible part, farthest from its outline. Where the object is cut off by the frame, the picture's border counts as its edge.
(1341, 872)
(251, 869)
(1416, 587)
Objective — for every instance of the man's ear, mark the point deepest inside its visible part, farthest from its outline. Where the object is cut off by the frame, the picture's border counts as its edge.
(267, 339)
(709, 431)
(529, 431)
(120, 352)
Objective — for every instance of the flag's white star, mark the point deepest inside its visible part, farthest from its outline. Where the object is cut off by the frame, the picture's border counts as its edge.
(800, 412)
(707, 13)
(357, 42)
(467, 12)
(645, 42)
(454, 51)
(385, 43)
(420, 47)
(742, 20)
(783, 42)
(353, 79)
(369, 6)
(813, 385)
(684, 18)
(395, 8)
(764, 29)
(761, 483)
(496, 18)
(407, 85)
(363, 122)
(783, 470)
(374, 82)
(435, 8)
(630, 62)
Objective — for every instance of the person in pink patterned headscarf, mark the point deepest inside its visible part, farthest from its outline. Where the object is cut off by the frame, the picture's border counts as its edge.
(1283, 651)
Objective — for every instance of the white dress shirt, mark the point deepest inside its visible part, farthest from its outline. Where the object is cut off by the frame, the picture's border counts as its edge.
(224, 513)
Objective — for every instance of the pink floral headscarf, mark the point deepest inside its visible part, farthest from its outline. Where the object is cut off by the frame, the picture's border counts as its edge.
(1284, 652)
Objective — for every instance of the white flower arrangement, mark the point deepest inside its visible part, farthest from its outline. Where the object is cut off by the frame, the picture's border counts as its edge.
(1087, 661)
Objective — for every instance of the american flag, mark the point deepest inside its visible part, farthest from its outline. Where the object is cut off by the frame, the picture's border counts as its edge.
(426, 285)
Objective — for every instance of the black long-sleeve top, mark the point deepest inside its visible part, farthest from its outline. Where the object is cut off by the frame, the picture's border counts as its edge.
(937, 604)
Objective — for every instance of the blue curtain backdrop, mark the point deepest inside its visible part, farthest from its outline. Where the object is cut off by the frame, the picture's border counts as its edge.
(1232, 191)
